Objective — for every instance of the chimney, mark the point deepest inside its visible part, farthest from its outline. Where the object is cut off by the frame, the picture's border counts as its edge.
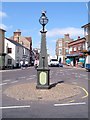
(66, 35)
(16, 35)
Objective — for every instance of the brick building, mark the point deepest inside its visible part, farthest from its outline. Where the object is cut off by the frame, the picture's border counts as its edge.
(62, 47)
(76, 49)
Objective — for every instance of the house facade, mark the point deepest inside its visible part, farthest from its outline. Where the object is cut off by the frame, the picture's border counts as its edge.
(2, 53)
(87, 35)
(62, 47)
(15, 52)
(24, 41)
(76, 49)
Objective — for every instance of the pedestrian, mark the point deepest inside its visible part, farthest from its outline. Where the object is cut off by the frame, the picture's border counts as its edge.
(59, 60)
(72, 63)
(36, 63)
(26, 63)
(21, 64)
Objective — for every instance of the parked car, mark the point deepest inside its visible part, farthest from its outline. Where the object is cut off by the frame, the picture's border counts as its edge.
(53, 62)
(87, 63)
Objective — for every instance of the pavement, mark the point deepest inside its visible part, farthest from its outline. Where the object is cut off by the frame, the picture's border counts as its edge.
(28, 91)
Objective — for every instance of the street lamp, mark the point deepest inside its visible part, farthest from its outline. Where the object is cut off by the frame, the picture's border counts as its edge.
(43, 20)
(43, 70)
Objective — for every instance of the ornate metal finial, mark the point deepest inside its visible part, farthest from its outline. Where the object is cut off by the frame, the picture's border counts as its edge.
(43, 13)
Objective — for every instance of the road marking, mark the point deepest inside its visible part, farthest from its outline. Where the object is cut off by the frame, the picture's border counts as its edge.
(30, 78)
(6, 80)
(3, 84)
(84, 91)
(66, 104)
(74, 83)
(13, 107)
(33, 75)
(14, 81)
(9, 70)
(21, 77)
(83, 75)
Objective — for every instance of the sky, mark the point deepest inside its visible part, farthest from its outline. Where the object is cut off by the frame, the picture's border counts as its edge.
(64, 17)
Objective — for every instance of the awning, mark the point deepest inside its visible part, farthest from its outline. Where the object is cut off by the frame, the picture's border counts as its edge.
(75, 55)
(72, 55)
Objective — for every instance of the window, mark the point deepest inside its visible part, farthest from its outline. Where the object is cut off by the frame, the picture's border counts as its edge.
(66, 44)
(70, 49)
(60, 44)
(79, 47)
(75, 49)
(9, 61)
(9, 50)
(60, 51)
(67, 51)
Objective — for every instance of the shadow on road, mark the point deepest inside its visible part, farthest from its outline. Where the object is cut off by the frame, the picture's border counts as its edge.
(54, 84)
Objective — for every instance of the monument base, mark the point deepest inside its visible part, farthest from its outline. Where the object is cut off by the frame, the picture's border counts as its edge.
(43, 78)
(42, 87)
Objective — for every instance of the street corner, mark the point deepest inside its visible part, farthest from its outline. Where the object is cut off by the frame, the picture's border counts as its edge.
(28, 92)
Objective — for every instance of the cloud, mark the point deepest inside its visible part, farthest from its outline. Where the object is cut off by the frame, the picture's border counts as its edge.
(74, 32)
(2, 26)
(2, 14)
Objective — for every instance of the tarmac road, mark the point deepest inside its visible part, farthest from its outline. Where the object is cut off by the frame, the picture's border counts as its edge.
(74, 107)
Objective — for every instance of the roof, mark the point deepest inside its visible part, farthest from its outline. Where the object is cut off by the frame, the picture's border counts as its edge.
(2, 29)
(87, 25)
(78, 40)
(73, 55)
(29, 39)
(16, 43)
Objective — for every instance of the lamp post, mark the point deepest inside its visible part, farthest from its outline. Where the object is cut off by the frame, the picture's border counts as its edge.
(43, 70)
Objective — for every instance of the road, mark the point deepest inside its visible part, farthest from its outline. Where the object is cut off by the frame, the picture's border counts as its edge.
(74, 107)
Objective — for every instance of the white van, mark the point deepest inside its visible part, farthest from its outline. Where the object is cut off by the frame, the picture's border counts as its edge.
(87, 63)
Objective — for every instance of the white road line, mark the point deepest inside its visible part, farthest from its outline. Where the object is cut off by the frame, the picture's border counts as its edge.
(3, 84)
(6, 80)
(30, 78)
(21, 77)
(14, 81)
(33, 75)
(83, 103)
(13, 107)
(83, 75)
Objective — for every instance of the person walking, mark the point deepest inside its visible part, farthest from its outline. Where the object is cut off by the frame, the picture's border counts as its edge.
(21, 64)
(36, 63)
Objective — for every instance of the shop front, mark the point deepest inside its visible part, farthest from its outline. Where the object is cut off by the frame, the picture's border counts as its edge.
(77, 59)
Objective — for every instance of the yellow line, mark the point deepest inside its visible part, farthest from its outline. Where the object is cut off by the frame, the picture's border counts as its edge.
(84, 91)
